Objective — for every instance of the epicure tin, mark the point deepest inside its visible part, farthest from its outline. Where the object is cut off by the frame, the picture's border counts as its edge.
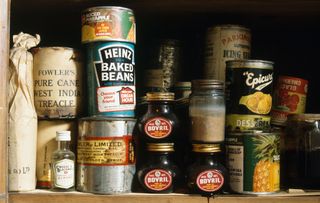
(289, 98)
(108, 23)
(253, 161)
(58, 82)
(249, 90)
(225, 42)
(111, 79)
(105, 155)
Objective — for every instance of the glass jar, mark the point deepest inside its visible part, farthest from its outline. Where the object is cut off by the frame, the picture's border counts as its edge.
(207, 111)
(207, 176)
(159, 174)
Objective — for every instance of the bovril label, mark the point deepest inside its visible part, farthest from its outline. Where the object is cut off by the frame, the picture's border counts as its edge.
(158, 128)
(112, 77)
(158, 180)
(210, 180)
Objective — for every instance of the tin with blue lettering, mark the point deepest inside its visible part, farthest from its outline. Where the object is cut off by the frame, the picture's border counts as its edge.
(111, 79)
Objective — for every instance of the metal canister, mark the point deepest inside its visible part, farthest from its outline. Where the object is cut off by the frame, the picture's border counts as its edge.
(105, 155)
(290, 97)
(111, 79)
(225, 42)
(58, 82)
(108, 23)
(253, 161)
(249, 90)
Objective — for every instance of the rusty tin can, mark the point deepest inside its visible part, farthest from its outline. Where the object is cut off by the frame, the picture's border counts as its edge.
(248, 94)
(108, 23)
(105, 155)
(225, 42)
(290, 97)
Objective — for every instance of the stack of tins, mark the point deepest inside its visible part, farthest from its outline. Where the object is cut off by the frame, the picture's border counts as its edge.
(252, 148)
(58, 95)
(105, 158)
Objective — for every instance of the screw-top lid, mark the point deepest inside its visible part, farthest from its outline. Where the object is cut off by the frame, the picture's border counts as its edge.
(160, 96)
(160, 147)
(207, 84)
(182, 85)
(63, 136)
(206, 148)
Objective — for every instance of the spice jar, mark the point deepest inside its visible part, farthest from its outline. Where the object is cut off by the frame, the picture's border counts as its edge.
(207, 176)
(159, 174)
(207, 111)
(159, 123)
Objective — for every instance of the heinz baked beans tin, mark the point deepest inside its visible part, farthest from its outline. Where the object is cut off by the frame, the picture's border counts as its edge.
(108, 23)
(248, 94)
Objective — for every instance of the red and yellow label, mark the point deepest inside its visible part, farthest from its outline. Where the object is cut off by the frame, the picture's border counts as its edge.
(158, 180)
(210, 180)
(158, 128)
(105, 151)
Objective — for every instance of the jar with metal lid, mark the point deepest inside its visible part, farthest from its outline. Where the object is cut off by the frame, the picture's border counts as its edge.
(302, 151)
(207, 111)
(159, 174)
(207, 175)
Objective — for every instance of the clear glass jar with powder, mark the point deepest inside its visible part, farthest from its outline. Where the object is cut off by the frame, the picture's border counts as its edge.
(207, 111)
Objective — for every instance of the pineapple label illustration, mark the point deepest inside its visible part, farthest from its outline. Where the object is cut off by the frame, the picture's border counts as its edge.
(253, 160)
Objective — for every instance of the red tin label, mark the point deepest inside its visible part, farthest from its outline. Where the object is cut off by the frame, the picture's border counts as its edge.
(158, 180)
(210, 180)
(158, 128)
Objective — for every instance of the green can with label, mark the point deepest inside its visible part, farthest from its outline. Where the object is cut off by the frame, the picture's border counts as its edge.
(249, 85)
(253, 161)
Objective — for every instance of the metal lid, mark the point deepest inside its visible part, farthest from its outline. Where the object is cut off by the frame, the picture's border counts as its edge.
(107, 7)
(304, 117)
(182, 85)
(160, 147)
(63, 135)
(160, 96)
(230, 26)
(205, 148)
(207, 84)
(260, 64)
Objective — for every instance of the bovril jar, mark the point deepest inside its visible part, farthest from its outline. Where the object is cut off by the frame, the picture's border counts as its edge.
(207, 111)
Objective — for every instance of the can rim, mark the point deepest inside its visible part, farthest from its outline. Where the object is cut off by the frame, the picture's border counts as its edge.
(229, 26)
(108, 7)
(252, 132)
(304, 117)
(250, 63)
(103, 118)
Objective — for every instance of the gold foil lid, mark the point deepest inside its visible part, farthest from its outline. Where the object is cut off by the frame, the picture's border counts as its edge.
(205, 148)
(207, 84)
(160, 147)
(160, 96)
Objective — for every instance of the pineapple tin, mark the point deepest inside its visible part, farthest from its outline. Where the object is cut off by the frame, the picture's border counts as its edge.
(253, 161)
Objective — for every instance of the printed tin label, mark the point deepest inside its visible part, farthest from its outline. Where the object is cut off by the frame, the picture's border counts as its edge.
(210, 180)
(111, 79)
(158, 180)
(158, 128)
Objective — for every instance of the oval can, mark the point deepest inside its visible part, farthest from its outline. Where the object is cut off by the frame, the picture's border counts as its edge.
(108, 23)
(105, 155)
(225, 42)
(248, 94)
(290, 97)
(58, 82)
(111, 79)
(253, 161)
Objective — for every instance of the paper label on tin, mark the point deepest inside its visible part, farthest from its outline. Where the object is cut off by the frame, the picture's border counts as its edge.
(64, 174)
(210, 180)
(247, 122)
(158, 180)
(105, 151)
(158, 128)
(235, 167)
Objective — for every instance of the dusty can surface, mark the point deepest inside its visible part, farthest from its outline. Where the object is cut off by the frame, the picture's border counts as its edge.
(105, 155)
(108, 23)
(58, 82)
(248, 94)
(290, 97)
(111, 79)
(253, 160)
(225, 42)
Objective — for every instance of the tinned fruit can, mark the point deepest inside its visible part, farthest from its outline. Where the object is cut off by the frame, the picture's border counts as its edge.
(253, 161)
(290, 97)
(108, 23)
(248, 94)
(225, 42)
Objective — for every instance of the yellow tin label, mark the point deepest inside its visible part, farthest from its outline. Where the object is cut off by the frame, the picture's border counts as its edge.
(247, 122)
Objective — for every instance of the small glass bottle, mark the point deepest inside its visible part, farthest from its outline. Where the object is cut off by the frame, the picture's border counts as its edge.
(63, 164)
(207, 175)
(159, 174)
(207, 111)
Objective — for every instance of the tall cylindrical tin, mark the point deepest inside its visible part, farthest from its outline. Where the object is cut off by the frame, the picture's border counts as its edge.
(249, 90)
(108, 23)
(225, 42)
(105, 155)
(58, 82)
(111, 79)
